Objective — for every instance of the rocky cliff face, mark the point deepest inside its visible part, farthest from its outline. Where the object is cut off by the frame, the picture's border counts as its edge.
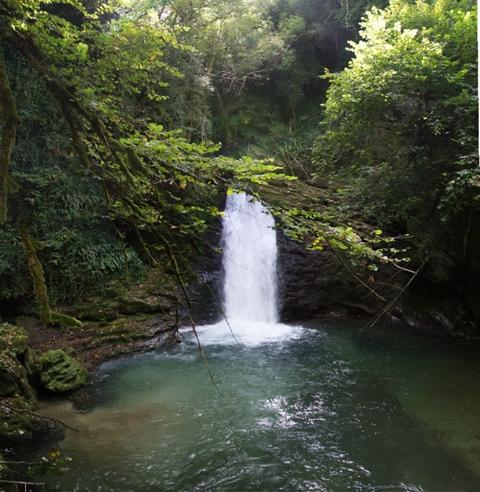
(314, 283)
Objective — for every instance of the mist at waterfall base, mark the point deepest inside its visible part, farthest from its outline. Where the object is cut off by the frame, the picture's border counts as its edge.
(250, 314)
(293, 409)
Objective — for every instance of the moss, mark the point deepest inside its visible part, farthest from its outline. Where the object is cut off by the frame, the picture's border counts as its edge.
(60, 372)
(47, 316)
(150, 294)
(146, 304)
(13, 338)
(13, 377)
(17, 398)
(38, 277)
(17, 422)
(97, 309)
(293, 194)
(9, 136)
(65, 320)
(32, 364)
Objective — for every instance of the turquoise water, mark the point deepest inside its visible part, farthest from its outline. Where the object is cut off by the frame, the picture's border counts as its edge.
(325, 410)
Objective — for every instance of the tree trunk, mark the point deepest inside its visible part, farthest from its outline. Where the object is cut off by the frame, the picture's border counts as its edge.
(38, 277)
(9, 136)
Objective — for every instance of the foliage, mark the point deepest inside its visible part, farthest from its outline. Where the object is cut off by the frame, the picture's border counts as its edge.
(117, 170)
(257, 63)
(401, 122)
(120, 102)
(62, 204)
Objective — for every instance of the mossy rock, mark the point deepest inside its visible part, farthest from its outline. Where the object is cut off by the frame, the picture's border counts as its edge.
(13, 377)
(32, 363)
(60, 372)
(13, 338)
(65, 321)
(17, 422)
(13, 350)
(96, 310)
(147, 304)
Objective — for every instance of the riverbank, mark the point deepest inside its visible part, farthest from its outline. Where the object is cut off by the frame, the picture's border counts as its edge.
(38, 363)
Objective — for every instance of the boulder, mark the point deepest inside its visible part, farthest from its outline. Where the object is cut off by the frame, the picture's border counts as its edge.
(13, 338)
(13, 376)
(60, 372)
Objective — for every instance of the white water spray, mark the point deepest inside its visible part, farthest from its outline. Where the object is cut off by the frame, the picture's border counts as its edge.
(250, 285)
(249, 260)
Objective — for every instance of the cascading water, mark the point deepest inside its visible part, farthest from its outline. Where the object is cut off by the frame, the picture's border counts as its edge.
(249, 260)
(250, 284)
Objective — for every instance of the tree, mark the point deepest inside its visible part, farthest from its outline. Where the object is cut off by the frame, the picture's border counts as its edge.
(105, 71)
(400, 123)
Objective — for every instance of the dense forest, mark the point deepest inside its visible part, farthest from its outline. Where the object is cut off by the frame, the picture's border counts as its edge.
(125, 124)
(122, 123)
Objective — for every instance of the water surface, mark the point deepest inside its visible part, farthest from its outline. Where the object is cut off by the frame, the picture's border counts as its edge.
(315, 409)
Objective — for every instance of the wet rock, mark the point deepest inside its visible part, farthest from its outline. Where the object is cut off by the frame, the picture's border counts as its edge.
(314, 283)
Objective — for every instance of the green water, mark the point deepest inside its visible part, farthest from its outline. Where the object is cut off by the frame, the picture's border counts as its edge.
(328, 410)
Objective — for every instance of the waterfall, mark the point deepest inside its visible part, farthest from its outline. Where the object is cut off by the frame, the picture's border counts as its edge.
(249, 260)
(250, 314)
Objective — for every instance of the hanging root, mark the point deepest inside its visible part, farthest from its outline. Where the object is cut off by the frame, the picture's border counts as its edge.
(178, 275)
(9, 136)
(392, 303)
(352, 273)
(186, 305)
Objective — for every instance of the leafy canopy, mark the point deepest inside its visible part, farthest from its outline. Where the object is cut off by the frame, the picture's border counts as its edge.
(400, 121)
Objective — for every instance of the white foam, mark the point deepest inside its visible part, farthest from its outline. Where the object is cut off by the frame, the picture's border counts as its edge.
(247, 333)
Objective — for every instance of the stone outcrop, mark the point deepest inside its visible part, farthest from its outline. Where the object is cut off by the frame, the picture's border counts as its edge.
(17, 397)
(441, 300)
(314, 283)
(60, 373)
